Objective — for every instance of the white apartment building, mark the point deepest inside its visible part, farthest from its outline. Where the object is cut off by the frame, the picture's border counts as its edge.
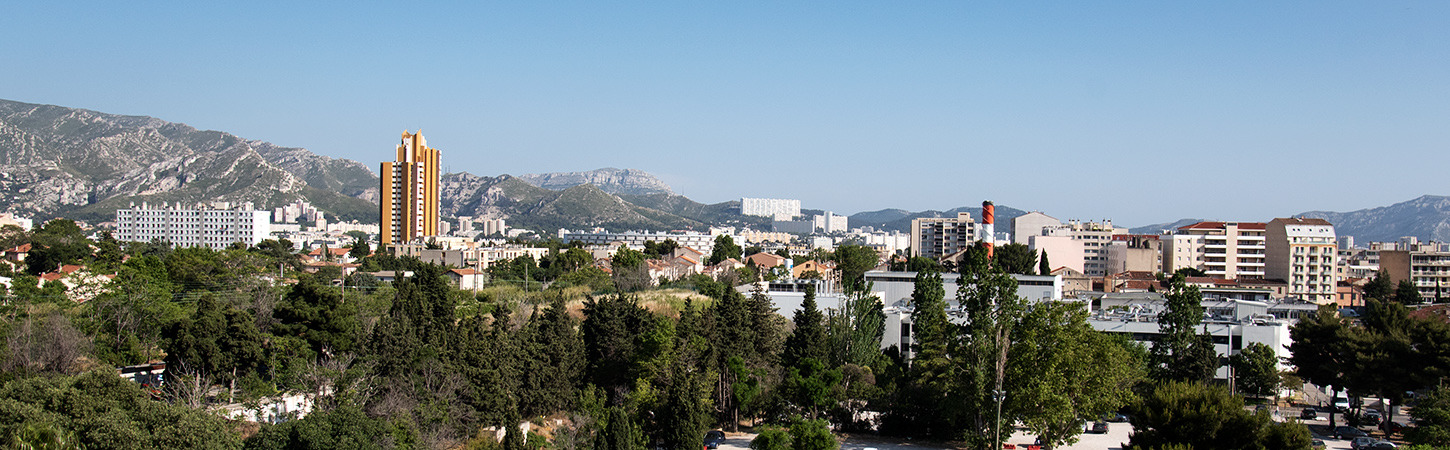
(778, 208)
(214, 226)
(704, 243)
(935, 237)
(1229, 250)
(1095, 238)
(1025, 226)
(1303, 253)
(830, 222)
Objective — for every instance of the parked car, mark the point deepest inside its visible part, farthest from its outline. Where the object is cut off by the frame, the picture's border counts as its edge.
(714, 438)
(1371, 417)
(1341, 404)
(1348, 433)
(1394, 427)
(1319, 443)
(1381, 445)
(1362, 442)
(1308, 414)
(1099, 427)
(1117, 417)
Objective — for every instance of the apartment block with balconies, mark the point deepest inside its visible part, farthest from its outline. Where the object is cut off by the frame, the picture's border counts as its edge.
(1426, 265)
(935, 237)
(1303, 253)
(1228, 250)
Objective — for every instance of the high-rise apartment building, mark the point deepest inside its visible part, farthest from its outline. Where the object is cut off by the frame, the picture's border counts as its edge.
(778, 208)
(409, 192)
(1303, 253)
(1229, 250)
(935, 237)
(215, 226)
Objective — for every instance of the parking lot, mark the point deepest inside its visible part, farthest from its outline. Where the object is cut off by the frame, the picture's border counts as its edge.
(1116, 436)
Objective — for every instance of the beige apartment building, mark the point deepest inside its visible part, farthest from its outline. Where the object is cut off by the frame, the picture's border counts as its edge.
(1427, 265)
(935, 237)
(1228, 250)
(1135, 253)
(1303, 253)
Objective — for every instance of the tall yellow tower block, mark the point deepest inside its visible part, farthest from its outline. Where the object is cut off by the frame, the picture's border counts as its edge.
(409, 192)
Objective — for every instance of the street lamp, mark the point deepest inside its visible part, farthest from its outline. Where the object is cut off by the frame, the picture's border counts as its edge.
(998, 395)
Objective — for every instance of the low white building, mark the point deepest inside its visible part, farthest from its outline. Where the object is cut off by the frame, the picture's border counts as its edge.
(216, 225)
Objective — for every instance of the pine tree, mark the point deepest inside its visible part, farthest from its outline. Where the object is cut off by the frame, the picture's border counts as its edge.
(808, 340)
(1044, 267)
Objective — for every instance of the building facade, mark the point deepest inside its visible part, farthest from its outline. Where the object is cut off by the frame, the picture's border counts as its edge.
(704, 243)
(1025, 226)
(1426, 265)
(935, 237)
(1231, 250)
(1135, 253)
(778, 208)
(1095, 237)
(409, 192)
(1303, 253)
(214, 226)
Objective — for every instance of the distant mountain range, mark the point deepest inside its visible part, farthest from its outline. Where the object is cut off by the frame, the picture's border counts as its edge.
(76, 163)
(900, 219)
(67, 162)
(57, 161)
(1427, 218)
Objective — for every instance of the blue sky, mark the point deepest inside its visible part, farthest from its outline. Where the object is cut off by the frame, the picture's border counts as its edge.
(1140, 112)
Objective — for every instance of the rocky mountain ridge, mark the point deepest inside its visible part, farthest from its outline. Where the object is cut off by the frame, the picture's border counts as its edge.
(1426, 218)
(609, 179)
(59, 161)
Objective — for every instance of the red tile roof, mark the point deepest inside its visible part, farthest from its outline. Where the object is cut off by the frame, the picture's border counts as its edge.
(1303, 221)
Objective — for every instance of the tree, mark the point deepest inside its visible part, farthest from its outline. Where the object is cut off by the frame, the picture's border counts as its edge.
(1432, 419)
(1015, 258)
(810, 386)
(619, 432)
(1407, 294)
(1379, 288)
(812, 435)
(630, 272)
(217, 340)
(808, 340)
(1180, 353)
(58, 242)
(1256, 370)
(1319, 351)
(345, 427)
(554, 362)
(1044, 267)
(771, 438)
(359, 250)
(725, 248)
(1064, 372)
(855, 330)
(44, 343)
(685, 415)
(1196, 415)
(853, 261)
(12, 236)
(988, 298)
(100, 410)
(317, 313)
